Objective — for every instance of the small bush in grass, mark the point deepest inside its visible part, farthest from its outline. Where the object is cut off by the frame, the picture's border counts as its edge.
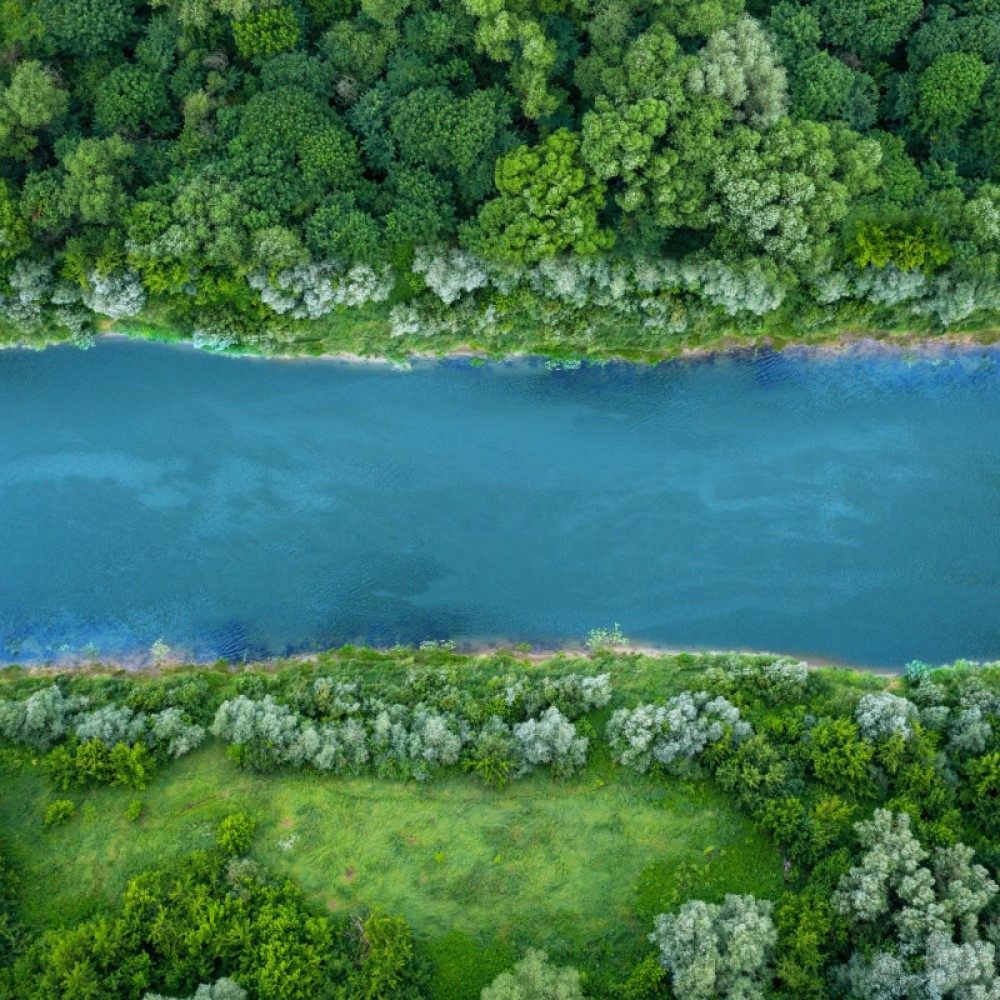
(59, 811)
(533, 978)
(133, 810)
(235, 834)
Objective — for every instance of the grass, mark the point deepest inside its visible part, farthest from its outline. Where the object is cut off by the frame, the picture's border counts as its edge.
(578, 867)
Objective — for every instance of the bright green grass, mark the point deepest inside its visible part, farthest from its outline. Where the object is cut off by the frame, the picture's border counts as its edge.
(577, 867)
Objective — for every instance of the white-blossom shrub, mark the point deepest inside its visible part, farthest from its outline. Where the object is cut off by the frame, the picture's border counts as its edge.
(111, 725)
(551, 740)
(169, 728)
(675, 733)
(117, 295)
(718, 952)
(221, 989)
(31, 283)
(925, 909)
(574, 694)
(40, 720)
(776, 681)
(449, 273)
(883, 714)
(738, 65)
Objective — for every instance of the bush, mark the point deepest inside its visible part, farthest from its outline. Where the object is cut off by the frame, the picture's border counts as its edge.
(675, 734)
(235, 834)
(716, 952)
(880, 715)
(551, 740)
(133, 810)
(59, 812)
(533, 978)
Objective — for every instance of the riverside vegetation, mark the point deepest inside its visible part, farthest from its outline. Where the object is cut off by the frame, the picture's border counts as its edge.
(418, 823)
(574, 177)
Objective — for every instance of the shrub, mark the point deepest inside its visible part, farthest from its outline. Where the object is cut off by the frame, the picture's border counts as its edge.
(235, 834)
(495, 756)
(39, 721)
(551, 740)
(222, 989)
(715, 952)
(133, 810)
(603, 638)
(880, 715)
(774, 681)
(59, 812)
(387, 956)
(534, 978)
(674, 734)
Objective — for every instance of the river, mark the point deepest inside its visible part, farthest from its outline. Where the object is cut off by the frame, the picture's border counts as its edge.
(845, 508)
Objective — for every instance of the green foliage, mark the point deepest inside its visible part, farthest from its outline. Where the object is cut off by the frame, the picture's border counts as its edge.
(547, 205)
(131, 98)
(133, 810)
(59, 812)
(534, 978)
(87, 28)
(948, 93)
(235, 834)
(910, 244)
(264, 33)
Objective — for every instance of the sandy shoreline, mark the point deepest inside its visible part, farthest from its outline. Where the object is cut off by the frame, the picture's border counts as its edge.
(139, 663)
(839, 345)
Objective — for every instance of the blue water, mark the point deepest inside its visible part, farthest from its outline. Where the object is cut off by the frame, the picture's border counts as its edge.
(842, 508)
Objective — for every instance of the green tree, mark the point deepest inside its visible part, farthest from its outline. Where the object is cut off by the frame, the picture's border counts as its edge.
(948, 93)
(264, 33)
(869, 28)
(131, 98)
(31, 102)
(548, 205)
(87, 28)
(235, 834)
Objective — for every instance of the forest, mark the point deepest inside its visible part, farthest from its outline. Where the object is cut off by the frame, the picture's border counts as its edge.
(422, 824)
(575, 177)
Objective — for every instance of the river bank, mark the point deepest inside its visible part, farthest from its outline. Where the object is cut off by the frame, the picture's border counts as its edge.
(141, 664)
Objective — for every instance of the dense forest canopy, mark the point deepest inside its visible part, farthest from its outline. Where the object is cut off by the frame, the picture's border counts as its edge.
(246, 164)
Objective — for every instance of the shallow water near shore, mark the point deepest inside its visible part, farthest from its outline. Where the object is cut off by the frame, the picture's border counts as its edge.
(837, 506)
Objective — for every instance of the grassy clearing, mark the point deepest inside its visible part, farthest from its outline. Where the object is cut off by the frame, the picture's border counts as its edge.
(577, 867)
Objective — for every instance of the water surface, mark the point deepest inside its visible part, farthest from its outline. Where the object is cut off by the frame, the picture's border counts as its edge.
(839, 507)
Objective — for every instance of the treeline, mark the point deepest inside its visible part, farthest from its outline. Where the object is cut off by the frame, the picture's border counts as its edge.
(884, 801)
(249, 170)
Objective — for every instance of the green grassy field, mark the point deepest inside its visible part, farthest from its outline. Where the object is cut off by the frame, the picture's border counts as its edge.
(578, 867)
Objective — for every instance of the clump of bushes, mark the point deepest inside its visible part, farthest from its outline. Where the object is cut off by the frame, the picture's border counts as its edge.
(676, 734)
(59, 812)
(235, 834)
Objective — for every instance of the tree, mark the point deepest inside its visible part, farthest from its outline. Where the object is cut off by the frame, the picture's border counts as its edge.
(739, 66)
(948, 93)
(96, 186)
(870, 28)
(718, 952)
(547, 205)
(266, 32)
(839, 757)
(533, 978)
(87, 28)
(132, 97)
(31, 102)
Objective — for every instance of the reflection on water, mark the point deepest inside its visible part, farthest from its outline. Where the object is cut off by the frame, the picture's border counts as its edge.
(845, 507)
